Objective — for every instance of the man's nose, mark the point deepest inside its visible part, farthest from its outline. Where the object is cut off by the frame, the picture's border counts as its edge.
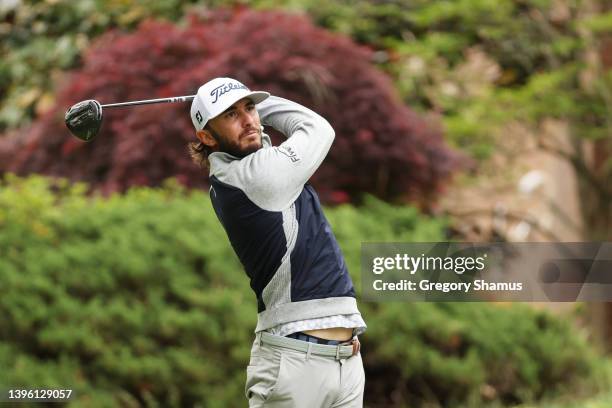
(247, 120)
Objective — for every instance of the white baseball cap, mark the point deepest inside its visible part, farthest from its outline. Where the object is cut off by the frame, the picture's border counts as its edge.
(218, 94)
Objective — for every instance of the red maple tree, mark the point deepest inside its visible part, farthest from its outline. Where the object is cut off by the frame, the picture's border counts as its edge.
(381, 147)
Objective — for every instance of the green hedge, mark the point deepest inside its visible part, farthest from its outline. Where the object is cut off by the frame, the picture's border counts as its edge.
(138, 300)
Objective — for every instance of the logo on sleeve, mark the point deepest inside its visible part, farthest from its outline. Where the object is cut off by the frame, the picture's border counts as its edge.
(290, 153)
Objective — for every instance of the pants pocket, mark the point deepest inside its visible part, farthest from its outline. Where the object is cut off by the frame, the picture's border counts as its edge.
(262, 375)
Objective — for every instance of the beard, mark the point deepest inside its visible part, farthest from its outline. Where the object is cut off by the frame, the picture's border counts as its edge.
(234, 148)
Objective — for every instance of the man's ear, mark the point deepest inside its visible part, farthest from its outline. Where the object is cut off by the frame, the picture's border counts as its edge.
(206, 138)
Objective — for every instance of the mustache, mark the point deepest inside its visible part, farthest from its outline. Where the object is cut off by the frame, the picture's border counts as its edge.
(250, 130)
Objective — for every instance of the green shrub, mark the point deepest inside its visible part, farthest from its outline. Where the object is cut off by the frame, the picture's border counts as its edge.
(469, 354)
(122, 298)
(138, 300)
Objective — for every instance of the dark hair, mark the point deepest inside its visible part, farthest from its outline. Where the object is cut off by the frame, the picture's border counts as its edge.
(199, 152)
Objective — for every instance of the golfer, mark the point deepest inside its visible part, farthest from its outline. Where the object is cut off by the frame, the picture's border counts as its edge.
(306, 351)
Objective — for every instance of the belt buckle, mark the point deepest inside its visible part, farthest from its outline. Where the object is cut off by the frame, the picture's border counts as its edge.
(354, 343)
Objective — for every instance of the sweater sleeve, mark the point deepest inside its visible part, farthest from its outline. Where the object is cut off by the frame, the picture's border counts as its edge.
(274, 177)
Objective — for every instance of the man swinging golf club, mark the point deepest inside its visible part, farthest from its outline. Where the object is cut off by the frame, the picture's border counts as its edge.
(306, 352)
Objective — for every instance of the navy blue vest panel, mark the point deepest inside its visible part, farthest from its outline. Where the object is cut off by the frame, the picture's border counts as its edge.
(256, 235)
(317, 264)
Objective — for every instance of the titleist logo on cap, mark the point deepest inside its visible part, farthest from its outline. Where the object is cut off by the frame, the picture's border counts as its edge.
(225, 88)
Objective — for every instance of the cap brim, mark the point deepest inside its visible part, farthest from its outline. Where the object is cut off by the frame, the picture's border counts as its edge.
(257, 96)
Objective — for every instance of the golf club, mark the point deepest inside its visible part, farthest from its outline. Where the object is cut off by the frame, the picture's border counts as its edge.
(85, 118)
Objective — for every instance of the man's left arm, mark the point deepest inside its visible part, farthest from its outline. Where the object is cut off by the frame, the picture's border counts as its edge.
(274, 177)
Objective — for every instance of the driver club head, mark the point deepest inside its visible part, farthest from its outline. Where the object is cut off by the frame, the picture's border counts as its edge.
(84, 119)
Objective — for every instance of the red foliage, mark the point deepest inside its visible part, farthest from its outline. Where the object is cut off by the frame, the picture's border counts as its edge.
(381, 146)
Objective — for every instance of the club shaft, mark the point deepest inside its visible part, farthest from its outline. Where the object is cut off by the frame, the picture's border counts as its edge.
(150, 101)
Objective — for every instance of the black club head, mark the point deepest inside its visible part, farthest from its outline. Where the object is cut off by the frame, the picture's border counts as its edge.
(84, 119)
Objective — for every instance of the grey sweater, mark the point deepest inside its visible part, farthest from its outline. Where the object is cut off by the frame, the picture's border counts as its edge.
(275, 222)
